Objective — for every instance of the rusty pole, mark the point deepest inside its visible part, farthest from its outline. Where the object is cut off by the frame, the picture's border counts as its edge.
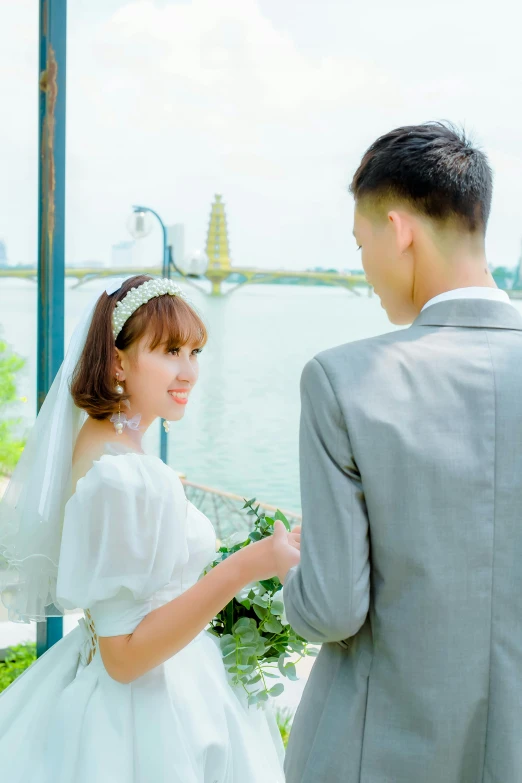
(51, 222)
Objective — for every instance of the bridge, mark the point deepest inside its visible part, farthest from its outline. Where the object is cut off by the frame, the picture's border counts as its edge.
(238, 276)
(220, 269)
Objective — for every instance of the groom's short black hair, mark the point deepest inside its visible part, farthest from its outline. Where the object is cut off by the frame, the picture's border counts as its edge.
(434, 168)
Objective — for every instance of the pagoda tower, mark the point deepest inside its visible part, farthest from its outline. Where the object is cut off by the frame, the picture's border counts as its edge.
(217, 247)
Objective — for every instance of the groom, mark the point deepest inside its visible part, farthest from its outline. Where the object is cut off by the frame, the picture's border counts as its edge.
(411, 480)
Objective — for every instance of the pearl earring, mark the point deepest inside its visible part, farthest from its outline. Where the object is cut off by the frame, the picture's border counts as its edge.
(118, 425)
(119, 388)
(166, 426)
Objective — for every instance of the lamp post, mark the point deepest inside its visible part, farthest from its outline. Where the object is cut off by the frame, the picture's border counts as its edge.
(139, 229)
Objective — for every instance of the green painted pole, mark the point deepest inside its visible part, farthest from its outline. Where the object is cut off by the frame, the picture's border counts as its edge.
(51, 222)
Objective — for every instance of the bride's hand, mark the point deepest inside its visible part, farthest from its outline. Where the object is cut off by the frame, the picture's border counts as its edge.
(272, 556)
(287, 548)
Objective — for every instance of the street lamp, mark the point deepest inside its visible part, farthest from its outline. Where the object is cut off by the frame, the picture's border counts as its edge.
(140, 227)
(195, 264)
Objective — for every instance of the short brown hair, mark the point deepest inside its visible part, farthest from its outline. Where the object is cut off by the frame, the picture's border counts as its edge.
(166, 319)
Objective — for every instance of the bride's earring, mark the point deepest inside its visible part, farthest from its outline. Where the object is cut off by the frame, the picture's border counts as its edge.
(166, 426)
(119, 388)
(118, 425)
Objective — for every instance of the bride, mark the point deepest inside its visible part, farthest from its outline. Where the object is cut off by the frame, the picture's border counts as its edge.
(137, 692)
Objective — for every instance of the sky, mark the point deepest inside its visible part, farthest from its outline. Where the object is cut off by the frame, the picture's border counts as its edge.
(270, 103)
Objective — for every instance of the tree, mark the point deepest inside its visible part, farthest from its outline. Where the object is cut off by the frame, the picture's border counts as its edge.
(503, 276)
(11, 445)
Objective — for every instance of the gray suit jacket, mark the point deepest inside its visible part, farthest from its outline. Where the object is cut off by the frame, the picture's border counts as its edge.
(411, 552)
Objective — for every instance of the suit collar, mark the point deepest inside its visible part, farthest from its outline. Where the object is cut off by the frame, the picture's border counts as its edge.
(479, 313)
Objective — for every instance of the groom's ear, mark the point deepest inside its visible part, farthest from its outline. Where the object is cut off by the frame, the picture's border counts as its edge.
(401, 225)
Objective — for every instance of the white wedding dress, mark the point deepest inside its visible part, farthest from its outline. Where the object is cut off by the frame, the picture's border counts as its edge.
(132, 542)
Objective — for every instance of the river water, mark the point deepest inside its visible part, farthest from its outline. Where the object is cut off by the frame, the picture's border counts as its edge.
(240, 431)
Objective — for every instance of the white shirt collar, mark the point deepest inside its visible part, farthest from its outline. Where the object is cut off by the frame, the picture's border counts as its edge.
(470, 292)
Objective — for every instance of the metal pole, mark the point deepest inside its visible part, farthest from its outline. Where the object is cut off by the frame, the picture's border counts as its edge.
(166, 273)
(51, 222)
(164, 443)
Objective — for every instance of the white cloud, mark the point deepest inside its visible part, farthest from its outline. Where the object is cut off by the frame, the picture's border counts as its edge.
(171, 102)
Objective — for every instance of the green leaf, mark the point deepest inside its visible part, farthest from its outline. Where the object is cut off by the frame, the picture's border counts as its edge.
(279, 515)
(271, 674)
(268, 584)
(247, 634)
(246, 603)
(255, 536)
(270, 521)
(273, 625)
(290, 672)
(261, 600)
(254, 679)
(276, 689)
(226, 639)
(243, 622)
(229, 648)
(261, 611)
(277, 607)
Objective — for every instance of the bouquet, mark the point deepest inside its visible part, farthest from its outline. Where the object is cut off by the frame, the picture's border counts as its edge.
(256, 641)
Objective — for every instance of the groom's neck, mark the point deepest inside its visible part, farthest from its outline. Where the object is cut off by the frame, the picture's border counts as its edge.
(443, 265)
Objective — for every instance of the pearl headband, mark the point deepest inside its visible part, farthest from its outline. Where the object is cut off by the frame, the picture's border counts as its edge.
(139, 296)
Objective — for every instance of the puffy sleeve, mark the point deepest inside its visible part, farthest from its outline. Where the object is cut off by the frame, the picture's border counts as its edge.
(123, 539)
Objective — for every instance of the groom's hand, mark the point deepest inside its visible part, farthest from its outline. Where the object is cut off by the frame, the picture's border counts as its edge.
(286, 549)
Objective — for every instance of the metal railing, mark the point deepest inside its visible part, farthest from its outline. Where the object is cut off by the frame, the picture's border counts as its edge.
(224, 509)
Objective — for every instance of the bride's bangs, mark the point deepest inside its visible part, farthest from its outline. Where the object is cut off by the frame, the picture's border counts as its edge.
(170, 321)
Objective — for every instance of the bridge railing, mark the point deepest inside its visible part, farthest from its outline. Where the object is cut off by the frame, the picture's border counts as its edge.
(224, 509)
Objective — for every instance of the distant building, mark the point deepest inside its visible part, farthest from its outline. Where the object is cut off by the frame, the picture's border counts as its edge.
(123, 255)
(3, 254)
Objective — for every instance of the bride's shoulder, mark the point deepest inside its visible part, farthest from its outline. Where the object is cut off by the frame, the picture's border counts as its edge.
(90, 450)
(118, 477)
